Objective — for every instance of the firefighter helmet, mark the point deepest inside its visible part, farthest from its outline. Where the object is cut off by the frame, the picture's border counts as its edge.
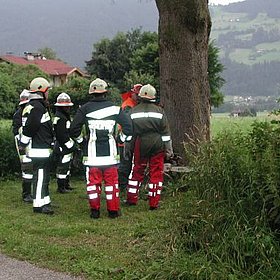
(98, 86)
(39, 85)
(63, 100)
(24, 97)
(147, 92)
(136, 88)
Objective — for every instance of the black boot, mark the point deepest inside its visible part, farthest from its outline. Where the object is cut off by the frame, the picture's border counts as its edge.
(94, 213)
(46, 209)
(61, 186)
(113, 214)
(67, 184)
(26, 192)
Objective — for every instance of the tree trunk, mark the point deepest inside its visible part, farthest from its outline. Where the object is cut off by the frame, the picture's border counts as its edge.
(184, 27)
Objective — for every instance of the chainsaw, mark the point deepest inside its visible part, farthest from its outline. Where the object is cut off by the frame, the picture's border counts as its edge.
(174, 165)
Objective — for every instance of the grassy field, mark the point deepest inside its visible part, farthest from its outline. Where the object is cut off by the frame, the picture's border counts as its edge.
(130, 247)
(141, 244)
(222, 122)
(223, 22)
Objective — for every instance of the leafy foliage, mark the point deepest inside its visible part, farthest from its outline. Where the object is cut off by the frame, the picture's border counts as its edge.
(77, 88)
(48, 53)
(13, 79)
(9, 163)
(216, 81)
(133, 57)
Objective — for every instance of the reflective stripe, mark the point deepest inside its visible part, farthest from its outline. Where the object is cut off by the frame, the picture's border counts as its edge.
(26, 159)
(109, 196)
(38, 201)
(146, 115)
(55, 120)
(104, 113)
(87, 175)
(117, 186)
(45, 118)
(117, 194)
(23, 121)
(132, 190)
(151, 186)
(165, 138)
(160, 184)
(102, 124)
(24, 139)
(93, 195)
(69, 144)
(151, 194)
(109, 188)
(124, 138)
(79, 139)
(27, 176)
(133, 183)
(66, 158)
(61, 176)
(38, 153)
(47, 200)
(68, 124)
(100, 161)
(91, 188)
(158, 191)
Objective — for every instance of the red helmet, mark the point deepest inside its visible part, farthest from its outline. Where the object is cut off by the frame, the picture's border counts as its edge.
(136, 88)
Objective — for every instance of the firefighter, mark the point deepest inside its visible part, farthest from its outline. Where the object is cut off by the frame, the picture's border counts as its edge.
(100, 155)
(64, 145)
(37, 141)
(152, 145)
(25, 162)
(130, 101)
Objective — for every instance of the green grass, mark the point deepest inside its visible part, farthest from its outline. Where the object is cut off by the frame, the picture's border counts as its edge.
(129, 247)
(141, 244)
(223, 123)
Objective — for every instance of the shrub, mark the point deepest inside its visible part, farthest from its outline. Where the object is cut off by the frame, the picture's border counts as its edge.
(235, 216)
(9, 161)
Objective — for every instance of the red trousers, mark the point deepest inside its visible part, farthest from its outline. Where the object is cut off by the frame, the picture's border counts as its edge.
(156, 164)
(95, 177)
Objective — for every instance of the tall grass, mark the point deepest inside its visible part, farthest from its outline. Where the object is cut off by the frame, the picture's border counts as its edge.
(235, 214)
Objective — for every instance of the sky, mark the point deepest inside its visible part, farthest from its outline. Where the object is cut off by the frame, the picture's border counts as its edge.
(223, 2)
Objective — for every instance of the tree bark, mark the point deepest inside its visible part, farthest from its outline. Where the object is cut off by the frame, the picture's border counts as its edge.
(184, 28)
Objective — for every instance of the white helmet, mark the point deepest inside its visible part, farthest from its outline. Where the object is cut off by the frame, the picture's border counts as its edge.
(63, 100)
(147, 92)
(24, 97)
(98, 86)
(39, 85)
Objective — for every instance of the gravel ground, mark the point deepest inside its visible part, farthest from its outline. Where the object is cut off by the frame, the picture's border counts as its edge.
(11, 269)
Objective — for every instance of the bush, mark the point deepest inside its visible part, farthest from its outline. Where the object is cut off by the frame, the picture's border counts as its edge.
(236, 210)
(9, 161)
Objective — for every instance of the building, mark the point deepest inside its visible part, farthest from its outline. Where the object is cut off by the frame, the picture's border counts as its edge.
(58, 71)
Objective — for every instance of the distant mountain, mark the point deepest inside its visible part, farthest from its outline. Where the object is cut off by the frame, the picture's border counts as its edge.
(254, 7)
(70, 27)
(248, 35)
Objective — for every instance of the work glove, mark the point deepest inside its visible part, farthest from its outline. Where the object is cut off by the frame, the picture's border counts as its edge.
(127, 150)
(168, 150)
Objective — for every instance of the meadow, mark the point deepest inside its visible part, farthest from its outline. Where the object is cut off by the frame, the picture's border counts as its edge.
(222, 122)
(181, 240)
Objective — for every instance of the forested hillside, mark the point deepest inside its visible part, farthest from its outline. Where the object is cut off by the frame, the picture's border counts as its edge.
(248, 34)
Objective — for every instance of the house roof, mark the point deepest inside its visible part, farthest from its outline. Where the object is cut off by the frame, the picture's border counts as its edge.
(49, 66)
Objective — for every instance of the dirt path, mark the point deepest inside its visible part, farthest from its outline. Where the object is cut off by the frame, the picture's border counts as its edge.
(11, 269)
